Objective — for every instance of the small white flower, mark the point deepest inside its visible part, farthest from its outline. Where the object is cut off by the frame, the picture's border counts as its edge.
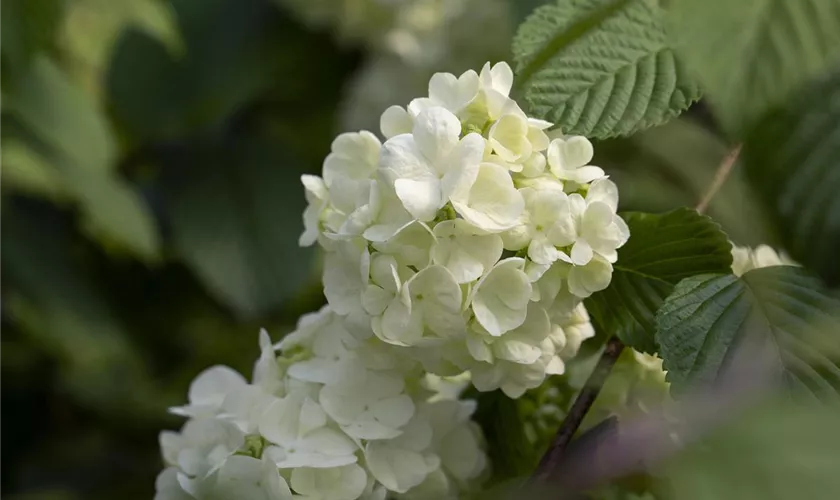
(354, 156)
(490, 202)
(498, 77)
(465, 250)
(167, 486)
(405, 461)
(448, 91)
(570, 329)
(599, 230)
(347, 482)
(746, 259)
(267, 374)
(395, 121)
(456, 440)
(411, 245)
(569, 160)
(202, 446)
(297, 425)
(346, 272)
(429, 305)
(516, 378)
(428, 165)
(317, 198)
(246, 477)
(500, 299)
(208, 391)
(374, 407)
(521, 345)
(590, 278)
(388, 216)
(549, 224)
(605, 191)
(515, 138)
(387, 277)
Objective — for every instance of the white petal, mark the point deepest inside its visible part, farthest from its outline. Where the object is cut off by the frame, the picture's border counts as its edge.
(395, 121)
(588, 173)
(435, 291)
(394, 412)
(479, 350)
(541, 251)
(211, 385)
(603, 190)
(581, 253)
(422, 198)
(397, 469)
(516, 351)
(492, 203)
(464, 251)
(436, 131)
(344, 483)
(501, 297)
(461, 167)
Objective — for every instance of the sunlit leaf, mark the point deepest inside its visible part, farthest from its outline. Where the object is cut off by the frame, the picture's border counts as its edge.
(601, 68)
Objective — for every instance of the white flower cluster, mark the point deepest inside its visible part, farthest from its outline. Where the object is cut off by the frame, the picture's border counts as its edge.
(468, 237)
(417, 31)
(459, 249)
(746, 259)
(333, 418)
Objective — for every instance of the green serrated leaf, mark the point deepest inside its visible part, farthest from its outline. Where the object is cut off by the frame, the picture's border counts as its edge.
(662, 250)
(706, 317)
(601, 68)
(234, 222)
(751, 55)
(793, 160)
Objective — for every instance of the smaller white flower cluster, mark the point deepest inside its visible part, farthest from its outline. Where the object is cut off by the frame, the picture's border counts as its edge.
(416, 31)
(746, 259)
(468, 237)
(333, 418)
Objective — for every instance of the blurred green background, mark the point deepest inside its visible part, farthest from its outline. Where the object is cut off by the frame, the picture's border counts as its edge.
(151, 155)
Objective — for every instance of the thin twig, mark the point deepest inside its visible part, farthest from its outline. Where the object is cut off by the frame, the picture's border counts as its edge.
(579, 409)
(723, 171)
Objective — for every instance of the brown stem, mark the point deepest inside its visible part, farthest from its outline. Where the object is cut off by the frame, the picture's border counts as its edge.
(723, 171)
(551, 459)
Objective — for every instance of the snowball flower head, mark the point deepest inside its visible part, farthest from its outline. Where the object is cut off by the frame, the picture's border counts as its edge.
(375, 431)
(455, 224)
(459, 246)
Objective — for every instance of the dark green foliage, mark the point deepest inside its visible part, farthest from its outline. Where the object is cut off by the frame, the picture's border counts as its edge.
(793, 160)
(753, 55)
(777, 309)
(662, 250)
